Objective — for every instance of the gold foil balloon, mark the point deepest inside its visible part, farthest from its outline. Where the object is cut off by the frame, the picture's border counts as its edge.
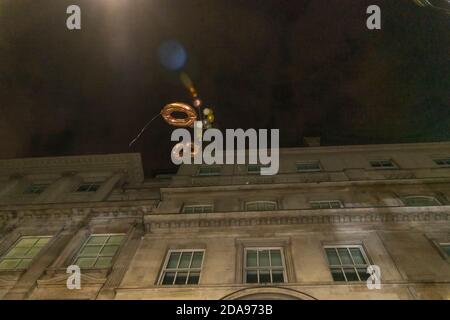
(187, 121)
(210, 117)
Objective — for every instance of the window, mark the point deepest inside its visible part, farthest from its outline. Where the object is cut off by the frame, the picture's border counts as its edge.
(446, 248)
(444, 162)
(198, 209)
(308, 166)
(260, 205)
(99, 250)
(209, 171)
(382, 164)
(347, 263)
(35, 188)
(329, 204)
(182, 267)
(264, 265)
(420, 201)
(88, 187)
(22, 253)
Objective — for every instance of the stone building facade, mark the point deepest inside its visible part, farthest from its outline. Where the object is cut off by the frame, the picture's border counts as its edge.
(226, 232)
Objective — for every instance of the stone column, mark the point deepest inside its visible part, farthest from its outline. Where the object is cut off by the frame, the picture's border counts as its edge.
(106, 188)
(54, 193)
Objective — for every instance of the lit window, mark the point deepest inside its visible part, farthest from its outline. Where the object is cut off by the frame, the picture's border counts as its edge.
(443, 162)
(209, 171)
(420, 201)
(182, 267)
(331, 204)
(198, 209)
(99, 250)
(308, 166)
(446, 248)
(22, 253)
(382, 164)
(88, 187)
(347, 263)
(35, 188)
(260, 206)
(264, 265)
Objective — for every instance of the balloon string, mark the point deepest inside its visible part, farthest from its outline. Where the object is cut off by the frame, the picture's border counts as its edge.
(143, 129)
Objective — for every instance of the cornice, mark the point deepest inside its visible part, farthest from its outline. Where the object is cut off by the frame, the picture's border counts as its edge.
(154, 222)
(317, 184)
(131, 162)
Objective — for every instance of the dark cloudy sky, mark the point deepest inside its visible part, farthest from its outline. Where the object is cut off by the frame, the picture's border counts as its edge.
(308, 67)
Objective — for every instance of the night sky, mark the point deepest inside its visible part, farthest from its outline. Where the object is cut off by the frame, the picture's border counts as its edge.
(308, 67)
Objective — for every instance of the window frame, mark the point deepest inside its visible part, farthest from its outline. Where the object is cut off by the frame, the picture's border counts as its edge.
(381, 167)
(14, 244)
(209, 174)
(176, 270)
(342, 266)
(261, 201)
(89, 184)
(319, 166)
(269, 268)
(341, 205)
(438, 203)
(83, 245)
(197, 206)
(444, 159)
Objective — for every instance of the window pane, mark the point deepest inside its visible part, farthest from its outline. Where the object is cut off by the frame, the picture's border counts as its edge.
(9, 263)
(275, 256)
(264, 276)
(181, 277)
(116, 239)
(26, 242)
(363, 274)
(277, 276)
(185, 260)
(17, 252)
(446, 249)
(104, 262)
(97, 240)
(193, 278)
(332, 256)
(168, 278)
(33, 252)
(109, 251)
(197, 260)
(90, 251)
(264, 258)
(358, 258)
(351, 275)
(337, 274)
(252, 277)
(85, 262)
(345, 256)
(251, 258)
(42, 242)
(173, 260)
